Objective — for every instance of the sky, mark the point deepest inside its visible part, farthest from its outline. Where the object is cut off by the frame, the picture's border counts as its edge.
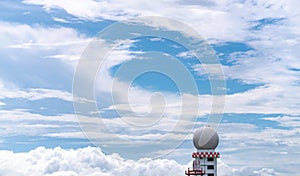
(117, 87)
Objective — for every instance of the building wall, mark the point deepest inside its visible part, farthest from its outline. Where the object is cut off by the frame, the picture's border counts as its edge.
(208, 164)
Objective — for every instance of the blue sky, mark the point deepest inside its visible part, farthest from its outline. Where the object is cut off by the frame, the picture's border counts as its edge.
(256, 44)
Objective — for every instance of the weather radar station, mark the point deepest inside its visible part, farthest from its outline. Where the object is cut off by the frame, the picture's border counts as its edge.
(205, 140)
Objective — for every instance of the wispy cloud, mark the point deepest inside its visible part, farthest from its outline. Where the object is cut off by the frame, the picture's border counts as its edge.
(33, 94)
(42, 41)
(269, 27)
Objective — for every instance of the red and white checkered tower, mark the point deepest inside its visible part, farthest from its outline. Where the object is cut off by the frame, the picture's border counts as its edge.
(205, 140)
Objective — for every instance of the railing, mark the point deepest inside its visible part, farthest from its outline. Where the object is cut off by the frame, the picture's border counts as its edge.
(194, 172)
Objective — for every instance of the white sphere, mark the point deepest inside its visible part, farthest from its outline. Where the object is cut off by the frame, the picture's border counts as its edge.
(205, 138)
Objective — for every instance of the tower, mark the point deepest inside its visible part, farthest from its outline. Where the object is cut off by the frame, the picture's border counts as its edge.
(205, 140)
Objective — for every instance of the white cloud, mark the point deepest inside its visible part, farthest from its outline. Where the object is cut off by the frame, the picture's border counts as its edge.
(225, 170)
(92, 161)
(186, 54)
(250, 135)
(236, 138)
(22, 44)
(41, 42)
(242, 144)
(215, 22)
(280, 90)
(12, 91)
(61, 20)
(227, 20)
(264, 100)
(223, 20)
(286, 121)
(20, 122)
(2, 103)
(85, 161)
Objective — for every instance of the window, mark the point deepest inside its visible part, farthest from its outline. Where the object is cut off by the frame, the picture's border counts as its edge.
(210, 174)
(210, 167)
(210, 159)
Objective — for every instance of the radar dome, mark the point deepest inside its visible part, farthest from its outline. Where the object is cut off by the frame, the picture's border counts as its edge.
(205, 138)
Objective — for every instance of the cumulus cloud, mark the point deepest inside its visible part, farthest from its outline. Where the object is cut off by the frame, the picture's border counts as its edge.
(92, 161)
(84, 161)
(236, 137)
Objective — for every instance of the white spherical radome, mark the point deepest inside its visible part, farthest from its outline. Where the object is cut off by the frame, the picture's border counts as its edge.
(206, 138)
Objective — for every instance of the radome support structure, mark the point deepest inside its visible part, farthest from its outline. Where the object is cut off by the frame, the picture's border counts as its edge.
(205, 140)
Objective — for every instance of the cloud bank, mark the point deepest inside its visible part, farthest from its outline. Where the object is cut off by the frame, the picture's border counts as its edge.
(92, 161)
